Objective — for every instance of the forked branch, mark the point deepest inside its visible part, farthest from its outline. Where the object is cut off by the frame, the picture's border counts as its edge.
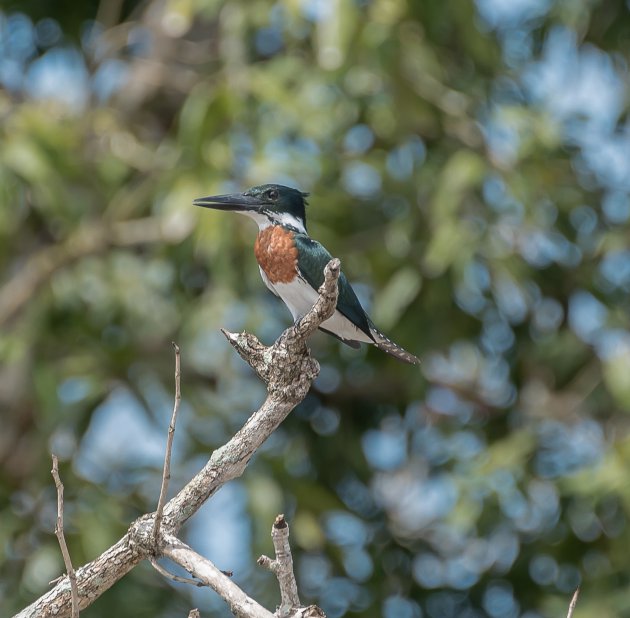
(289, 371)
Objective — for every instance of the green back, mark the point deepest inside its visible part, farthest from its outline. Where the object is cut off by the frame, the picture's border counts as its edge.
(312, 258)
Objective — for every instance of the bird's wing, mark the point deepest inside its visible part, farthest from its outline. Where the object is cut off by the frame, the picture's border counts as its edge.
(312, 258)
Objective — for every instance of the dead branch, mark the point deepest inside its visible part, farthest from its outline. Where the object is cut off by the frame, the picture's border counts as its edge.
(74, 591)
(282, 568)
(175, 578)
(240, 604)
(166, 472)
(289, 371)
(573, 603)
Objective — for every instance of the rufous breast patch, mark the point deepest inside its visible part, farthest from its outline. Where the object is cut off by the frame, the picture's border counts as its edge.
(277, 254)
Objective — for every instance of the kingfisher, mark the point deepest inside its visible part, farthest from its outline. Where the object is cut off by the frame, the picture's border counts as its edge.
(292, 264)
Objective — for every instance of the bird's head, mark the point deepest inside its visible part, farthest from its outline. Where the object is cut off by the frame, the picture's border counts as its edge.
(266, 204)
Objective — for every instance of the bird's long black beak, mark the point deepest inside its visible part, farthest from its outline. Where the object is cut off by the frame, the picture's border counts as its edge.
(237, 202)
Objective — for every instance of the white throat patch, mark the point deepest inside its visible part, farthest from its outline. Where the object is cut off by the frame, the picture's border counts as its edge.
(283, 218)
(262, 220)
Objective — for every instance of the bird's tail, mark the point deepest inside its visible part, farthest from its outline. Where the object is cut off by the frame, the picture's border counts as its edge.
(387, 345)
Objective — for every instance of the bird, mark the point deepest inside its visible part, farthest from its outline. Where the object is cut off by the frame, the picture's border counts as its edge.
(292, 264)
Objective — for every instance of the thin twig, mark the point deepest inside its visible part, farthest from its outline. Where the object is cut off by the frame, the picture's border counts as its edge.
(240, 603)
(176, 578)
(573, 603)
(166, 473)
(62, 540)
(282, 568)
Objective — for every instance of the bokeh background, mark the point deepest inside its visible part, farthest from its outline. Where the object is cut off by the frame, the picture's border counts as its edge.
(469, 162)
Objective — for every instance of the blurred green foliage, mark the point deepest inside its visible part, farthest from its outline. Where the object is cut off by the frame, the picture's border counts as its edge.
(466, 161)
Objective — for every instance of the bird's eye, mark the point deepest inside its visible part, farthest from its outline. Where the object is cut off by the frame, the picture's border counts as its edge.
(272, 194)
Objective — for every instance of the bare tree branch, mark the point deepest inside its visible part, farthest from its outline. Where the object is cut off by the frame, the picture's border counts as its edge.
(282, 568)
(312, 611)
(573, 603)
(289, 371)
(62, 539)
(199, 567)
(92, 579)
(166, 473)
(176, 578)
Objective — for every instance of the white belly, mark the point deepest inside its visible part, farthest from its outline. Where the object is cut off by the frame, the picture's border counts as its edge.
(299, 297)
